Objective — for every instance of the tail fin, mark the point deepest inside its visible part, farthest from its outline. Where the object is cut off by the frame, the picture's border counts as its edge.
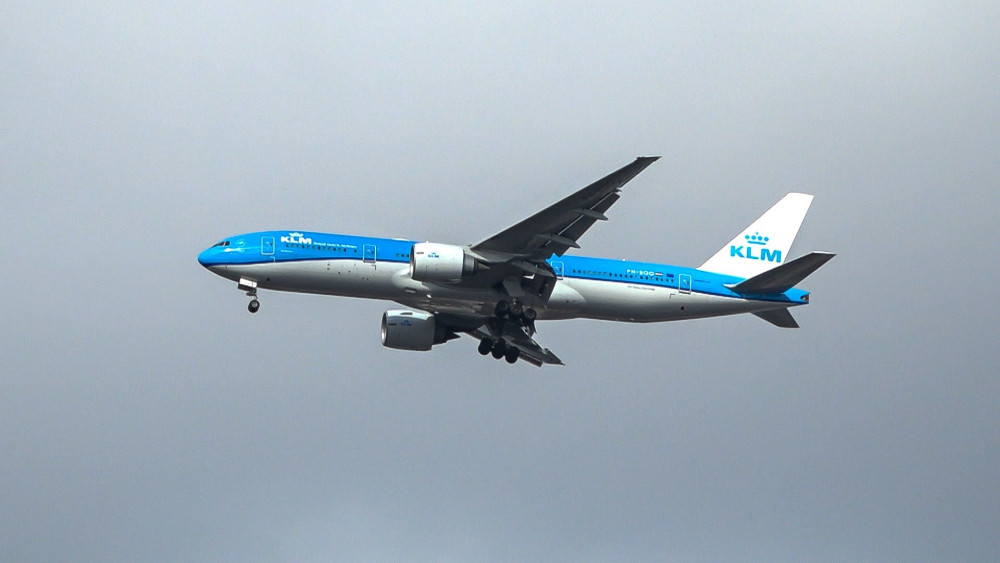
(765, 243)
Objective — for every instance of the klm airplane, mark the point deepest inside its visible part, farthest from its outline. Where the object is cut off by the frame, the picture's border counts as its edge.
(496, 290)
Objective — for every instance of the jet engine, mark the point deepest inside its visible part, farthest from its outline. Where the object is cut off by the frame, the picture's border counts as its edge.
(440, 262)
(412, 330)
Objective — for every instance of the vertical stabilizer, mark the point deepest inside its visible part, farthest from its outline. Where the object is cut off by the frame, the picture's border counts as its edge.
(765, 243)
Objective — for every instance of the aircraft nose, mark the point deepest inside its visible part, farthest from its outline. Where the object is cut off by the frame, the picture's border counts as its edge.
(209, 258)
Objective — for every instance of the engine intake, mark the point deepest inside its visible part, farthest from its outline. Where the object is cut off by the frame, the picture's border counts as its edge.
(440, 262)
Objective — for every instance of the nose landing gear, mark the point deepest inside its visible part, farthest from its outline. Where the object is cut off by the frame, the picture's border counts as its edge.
(250, 286)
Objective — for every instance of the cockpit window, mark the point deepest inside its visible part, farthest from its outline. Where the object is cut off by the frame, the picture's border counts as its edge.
(223, 243)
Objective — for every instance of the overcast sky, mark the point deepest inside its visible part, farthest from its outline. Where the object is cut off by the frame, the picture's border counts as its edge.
(145, 415)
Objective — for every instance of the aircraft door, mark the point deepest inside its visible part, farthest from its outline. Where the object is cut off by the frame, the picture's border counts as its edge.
(369, 253)
(559, 269)
(267, 246)
(684, 283)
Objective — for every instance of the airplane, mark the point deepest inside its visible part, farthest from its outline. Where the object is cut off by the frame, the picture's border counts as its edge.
(495, 290)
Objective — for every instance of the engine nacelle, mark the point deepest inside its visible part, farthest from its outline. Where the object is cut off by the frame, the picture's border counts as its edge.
(440, 262)
(408, 330)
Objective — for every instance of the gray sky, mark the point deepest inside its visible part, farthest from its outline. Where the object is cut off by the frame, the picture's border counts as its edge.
(145, 415)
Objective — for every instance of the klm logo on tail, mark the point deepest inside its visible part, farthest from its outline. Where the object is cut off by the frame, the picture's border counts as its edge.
(755, 243)
(751, 253)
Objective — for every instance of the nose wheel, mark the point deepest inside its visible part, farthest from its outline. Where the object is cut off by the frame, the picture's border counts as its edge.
(250, 286)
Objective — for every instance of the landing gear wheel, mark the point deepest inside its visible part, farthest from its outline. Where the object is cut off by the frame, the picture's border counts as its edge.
(530, 314)
(499, 349)
(485, 346)
(511, 355)
(516, 309)
(253, 306)
(502, 308)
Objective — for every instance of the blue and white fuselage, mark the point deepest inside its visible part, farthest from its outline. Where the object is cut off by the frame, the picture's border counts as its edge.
(379, 268)
(496, 289)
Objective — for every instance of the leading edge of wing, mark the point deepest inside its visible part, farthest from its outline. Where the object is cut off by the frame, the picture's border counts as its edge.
(557, 228)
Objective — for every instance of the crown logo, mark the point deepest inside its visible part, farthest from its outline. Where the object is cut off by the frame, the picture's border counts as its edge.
(756, 239)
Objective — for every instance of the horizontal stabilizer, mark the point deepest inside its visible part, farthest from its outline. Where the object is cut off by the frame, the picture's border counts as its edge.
(779, 318)
(784, 277)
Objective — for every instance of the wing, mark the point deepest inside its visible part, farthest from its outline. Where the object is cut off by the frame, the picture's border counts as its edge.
(558, 227)
(514, 261)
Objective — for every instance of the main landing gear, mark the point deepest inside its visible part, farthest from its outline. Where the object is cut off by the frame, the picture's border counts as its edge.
(518, 313)
(499, 349)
